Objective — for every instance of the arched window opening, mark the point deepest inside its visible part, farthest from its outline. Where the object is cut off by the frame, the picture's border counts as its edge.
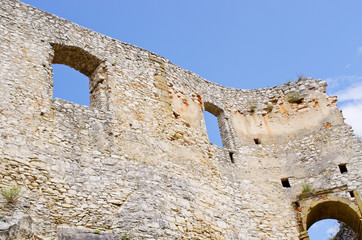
(87, 64)
(70, 85)
(331, 229)
(212, 127)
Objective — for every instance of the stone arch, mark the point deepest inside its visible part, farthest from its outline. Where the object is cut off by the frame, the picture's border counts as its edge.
(340, 209)
(223, 122)
(89, 65)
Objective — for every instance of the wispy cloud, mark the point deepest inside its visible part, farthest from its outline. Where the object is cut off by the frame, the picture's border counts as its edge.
(348, 89)
(324, 229)
(353, 114)
(332, 231)
(347, 66)
(343, 80)
(359, 51)
(353, 93)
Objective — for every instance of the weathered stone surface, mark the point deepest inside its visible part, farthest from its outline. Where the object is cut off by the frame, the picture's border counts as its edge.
(345, 233)
(16, 228)
(138, 159)
(67, 233)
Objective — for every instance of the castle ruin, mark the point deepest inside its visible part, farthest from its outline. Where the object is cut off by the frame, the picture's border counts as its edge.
(138, 159)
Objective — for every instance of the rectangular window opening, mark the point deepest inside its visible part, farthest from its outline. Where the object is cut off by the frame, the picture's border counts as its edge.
(218, 131)
(70, 85)
(257, 141)
(343, 168)
(212, 127)
(285, 182)
(231, 155)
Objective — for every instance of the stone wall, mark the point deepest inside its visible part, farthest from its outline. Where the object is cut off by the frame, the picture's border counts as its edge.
(138, 160)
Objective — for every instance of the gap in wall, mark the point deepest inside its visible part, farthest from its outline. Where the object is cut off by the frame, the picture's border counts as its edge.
(285, 182)
(213, 130)
(343, 168)
(70, 85)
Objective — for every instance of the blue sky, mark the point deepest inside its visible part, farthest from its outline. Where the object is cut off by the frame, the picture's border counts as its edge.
(323, 230)
(239, 43)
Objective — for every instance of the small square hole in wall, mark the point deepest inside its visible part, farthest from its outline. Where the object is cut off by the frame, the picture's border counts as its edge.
(343, 168)
(351, 194)
(257, 141)
(285, 182)
(231, 155)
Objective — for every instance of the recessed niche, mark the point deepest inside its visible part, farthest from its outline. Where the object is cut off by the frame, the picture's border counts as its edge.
(296, 204)
(343, 168)
(285, 182)
(257, 141)
(351, 194)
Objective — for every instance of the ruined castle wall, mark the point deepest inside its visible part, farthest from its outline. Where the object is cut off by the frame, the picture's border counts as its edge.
(138, 160)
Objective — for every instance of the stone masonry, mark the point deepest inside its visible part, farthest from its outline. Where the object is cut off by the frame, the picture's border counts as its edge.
(138, 161)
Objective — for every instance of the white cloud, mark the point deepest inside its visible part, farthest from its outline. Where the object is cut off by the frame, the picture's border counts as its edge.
(343, 80)
(323, 229)
(332, 231)
(353, 114)
(353, 92)
(348, 89)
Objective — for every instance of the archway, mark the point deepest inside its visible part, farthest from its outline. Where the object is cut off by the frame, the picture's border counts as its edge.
(340, 209)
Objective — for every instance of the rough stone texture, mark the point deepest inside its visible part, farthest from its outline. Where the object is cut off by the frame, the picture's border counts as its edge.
(138, 160)
(16, 228)
(66, 233)
(345, 233)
